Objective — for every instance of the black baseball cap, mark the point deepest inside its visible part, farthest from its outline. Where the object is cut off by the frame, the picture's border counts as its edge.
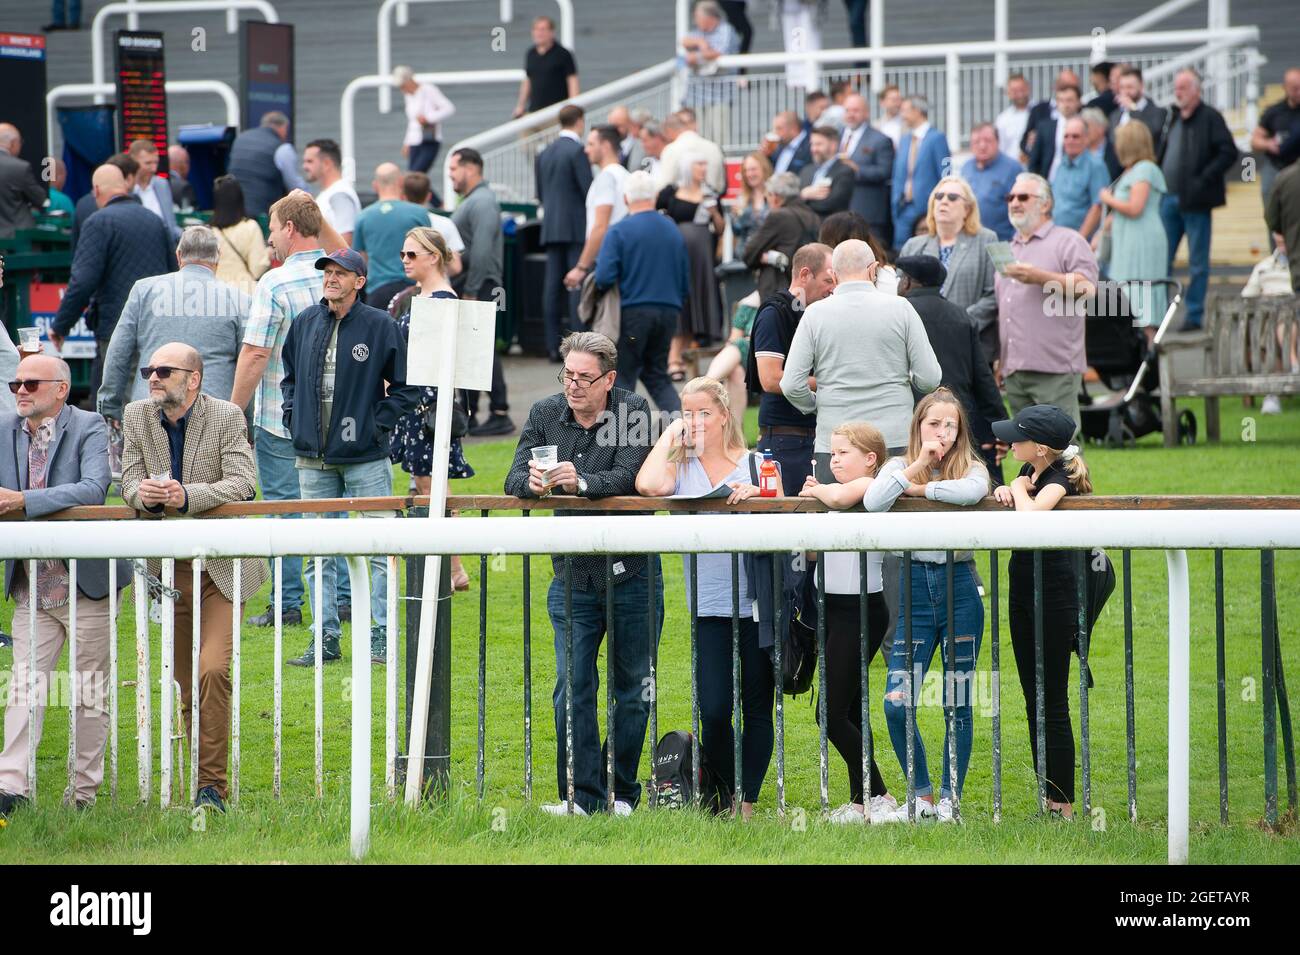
(923, 269)
(1045, 424)
(346, 258)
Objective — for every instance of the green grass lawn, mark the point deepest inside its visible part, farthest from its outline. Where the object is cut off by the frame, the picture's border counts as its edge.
(504, 827)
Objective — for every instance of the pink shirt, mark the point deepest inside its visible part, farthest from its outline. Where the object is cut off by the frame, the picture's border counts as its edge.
(1039, 327)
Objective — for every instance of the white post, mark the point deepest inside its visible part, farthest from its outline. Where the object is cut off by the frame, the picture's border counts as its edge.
(232, 20)
(876, 37)
(143, 699)
(507, 11)
(1001, 30)
(236, 677)
(167, 687)
(953, 97)
(1217, 65)
(277, 705)
(132, 18)
(390, 684)
(403, 15)
(1179, 705)
(359, 572)
(112, 680)
(196, 630)
(74, 677)
(432, 570)
(384, 30)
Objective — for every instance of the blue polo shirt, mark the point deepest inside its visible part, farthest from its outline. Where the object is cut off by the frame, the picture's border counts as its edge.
(1076, 188)
(380, 231)
(991, 185)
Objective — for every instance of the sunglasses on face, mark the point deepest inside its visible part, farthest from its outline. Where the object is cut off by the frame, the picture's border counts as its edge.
(950, 196)
(405, 255)
(1020, 196)
(31, 384)
(162, 371)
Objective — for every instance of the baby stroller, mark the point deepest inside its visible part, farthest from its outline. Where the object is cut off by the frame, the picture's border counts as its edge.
(1118, 352)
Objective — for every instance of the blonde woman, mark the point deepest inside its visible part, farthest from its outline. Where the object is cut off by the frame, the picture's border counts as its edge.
(749, 211)
(243, 247)
(1136, 229)
(426, 260)
(702, 450)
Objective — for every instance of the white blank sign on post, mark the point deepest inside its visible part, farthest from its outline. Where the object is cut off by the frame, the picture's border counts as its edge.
(475, 342)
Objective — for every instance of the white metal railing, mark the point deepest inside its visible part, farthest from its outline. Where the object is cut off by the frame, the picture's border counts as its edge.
(243, 539)
(399, 8)
(103, 91)
(133, 9)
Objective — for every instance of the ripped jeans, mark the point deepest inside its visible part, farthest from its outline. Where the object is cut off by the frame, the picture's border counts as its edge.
(927, 626)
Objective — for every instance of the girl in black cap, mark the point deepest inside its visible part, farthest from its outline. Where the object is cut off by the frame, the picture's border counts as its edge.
(1040, 436)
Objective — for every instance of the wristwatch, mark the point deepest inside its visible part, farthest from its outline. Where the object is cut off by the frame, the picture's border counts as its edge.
(582, 485)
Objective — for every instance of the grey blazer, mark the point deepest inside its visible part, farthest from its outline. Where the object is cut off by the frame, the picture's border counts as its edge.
(970, 280)
(874, 158)
(189, 306)
(76, 474)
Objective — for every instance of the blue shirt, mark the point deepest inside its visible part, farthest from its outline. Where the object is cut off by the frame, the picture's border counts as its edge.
(645, 255)
(991, 185)
(1076, 188)
(175, 448)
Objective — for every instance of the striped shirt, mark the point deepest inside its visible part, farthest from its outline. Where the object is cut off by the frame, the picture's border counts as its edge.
(280, 296)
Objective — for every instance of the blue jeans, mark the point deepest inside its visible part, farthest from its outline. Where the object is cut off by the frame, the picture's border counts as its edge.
(371, 479)
(73, 17)
(279, 480)
(928, 625)
(1197, 227)
(631, 648)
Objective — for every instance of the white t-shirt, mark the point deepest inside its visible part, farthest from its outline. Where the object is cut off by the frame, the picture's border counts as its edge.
(340, 206)
(607, 190)
(844, 574)
(447, 229)
(1010, 124)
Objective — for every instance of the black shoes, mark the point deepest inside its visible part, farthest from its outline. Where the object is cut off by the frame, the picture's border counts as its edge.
(6, 640)
(209, 798)
(329, 652)
(10, 803)
(289, 618)
(494, 426)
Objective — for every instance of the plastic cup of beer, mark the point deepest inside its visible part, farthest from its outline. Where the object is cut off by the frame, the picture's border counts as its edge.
(29, 340)
(546, 456)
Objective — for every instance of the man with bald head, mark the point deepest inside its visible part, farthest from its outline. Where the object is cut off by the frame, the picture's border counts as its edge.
(185, 453)
(119, 245)
(870, 154)
(380, 231)
(788, 145)
(178, 177)
(20, 192)
(53, 456)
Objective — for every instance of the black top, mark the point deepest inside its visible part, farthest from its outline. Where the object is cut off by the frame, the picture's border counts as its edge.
(679, 210)
(1284, 119)
(1054, 473)
(548, 76)
(773, 331)
(955, 339)
(1058, 565)
(608, 466)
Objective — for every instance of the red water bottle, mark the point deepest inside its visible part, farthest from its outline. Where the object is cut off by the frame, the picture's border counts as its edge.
(767, 476)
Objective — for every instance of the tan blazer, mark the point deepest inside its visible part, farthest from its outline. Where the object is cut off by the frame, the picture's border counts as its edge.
(216, 468)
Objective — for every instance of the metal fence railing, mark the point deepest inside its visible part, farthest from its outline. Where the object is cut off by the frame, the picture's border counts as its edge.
(784, 525)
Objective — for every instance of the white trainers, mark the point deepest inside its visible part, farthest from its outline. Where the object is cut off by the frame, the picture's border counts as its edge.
(849, 814)
(562, 809)
(622, 808)
(925, 812)
(882, 807)
(1272, 405)
(944, 810)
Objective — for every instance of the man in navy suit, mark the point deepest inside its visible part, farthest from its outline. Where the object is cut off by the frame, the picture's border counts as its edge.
(53, 456)
(919, 164)
(1045, 155)
(154, 193)
(791, 150)
(563, 178)
(870, 154)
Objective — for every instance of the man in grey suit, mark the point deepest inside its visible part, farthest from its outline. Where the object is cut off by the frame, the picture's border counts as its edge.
(154, 193)
(20, 193)
(870, 154)
(54, 456)
(563, 178)
(189, 306)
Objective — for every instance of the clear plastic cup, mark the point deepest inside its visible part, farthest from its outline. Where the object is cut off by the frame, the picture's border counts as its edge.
(29, 340)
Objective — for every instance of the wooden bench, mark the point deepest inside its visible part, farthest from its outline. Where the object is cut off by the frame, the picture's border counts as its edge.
(1245, 347)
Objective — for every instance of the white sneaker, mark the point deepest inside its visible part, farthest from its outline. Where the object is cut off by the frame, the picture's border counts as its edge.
(883, 807)
(622, 808)
(1272, 405)
(848, 814)
(944, 810)
(562, 809)
(925, 812)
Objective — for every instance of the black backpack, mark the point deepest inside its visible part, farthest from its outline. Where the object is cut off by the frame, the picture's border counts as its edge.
(674, 786)
(1099, 584)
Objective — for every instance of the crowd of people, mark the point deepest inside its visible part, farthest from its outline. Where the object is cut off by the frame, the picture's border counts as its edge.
(882, 339)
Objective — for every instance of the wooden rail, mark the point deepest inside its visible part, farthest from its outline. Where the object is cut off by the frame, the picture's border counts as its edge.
(783, 505)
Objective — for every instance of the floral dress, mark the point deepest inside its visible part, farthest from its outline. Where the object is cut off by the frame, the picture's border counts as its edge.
(410, 447)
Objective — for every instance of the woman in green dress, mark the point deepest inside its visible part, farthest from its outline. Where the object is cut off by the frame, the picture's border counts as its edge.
(1138, 245)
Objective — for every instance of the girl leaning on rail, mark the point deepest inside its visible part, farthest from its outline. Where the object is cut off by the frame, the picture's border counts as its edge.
(857, 454)
(940, 465)
(1040, 436)
(703, 450)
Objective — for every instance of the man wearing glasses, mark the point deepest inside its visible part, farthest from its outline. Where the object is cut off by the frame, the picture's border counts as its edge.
(53, 456)
(1041, 303)
(600, 436)
(184, 453)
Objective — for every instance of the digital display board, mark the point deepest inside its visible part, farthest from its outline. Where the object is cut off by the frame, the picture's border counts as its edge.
(266, 74)
(141, 90)
(22, 77)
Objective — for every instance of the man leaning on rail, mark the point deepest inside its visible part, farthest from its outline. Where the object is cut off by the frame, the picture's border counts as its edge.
(53, 456)
(185, 453)
(600, 435)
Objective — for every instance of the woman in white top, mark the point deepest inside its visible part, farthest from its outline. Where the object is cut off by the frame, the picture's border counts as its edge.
(243, 256)
(940, 465)
(699, 452)
(857, 453)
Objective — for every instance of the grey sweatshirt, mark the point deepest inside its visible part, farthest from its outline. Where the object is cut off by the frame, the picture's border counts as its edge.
(867, 351)
(890, 484)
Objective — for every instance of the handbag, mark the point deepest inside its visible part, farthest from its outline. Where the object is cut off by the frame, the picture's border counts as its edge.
(459, 420)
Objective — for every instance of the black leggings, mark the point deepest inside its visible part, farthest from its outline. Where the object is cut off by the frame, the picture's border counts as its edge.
(757, 683)
(844, 681)
(1060, 625)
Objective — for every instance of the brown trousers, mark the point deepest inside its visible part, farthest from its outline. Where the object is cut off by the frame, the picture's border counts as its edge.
(215, 644)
